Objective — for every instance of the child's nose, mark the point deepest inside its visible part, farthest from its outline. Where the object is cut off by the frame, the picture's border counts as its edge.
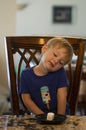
(56, 60)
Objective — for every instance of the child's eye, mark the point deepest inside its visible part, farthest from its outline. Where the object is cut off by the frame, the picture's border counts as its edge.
(54, 54)
(61, 63)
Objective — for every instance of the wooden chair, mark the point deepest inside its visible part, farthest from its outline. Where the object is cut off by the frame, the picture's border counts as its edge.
(26, 49)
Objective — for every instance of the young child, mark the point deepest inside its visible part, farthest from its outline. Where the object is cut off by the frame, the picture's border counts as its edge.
(43, 88)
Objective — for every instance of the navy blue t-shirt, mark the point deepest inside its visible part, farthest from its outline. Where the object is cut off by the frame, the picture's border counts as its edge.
(32, 84)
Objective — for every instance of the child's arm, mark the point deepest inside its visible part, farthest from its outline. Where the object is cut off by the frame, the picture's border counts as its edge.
(30, 105)
(61, 99)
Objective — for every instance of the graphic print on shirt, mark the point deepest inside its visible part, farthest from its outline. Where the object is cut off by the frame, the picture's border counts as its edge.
(45, 95)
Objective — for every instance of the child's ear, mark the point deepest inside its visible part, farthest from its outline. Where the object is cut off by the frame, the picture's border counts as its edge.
(44, 48)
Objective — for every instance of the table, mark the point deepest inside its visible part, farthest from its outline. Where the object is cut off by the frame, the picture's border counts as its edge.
(27, 122)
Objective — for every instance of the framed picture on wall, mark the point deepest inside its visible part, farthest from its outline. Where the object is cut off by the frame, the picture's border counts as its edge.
(62, 14)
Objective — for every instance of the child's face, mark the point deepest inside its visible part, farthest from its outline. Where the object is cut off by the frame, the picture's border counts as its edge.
(54, 58)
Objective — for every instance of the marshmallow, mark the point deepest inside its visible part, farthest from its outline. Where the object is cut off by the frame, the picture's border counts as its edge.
(50, 116)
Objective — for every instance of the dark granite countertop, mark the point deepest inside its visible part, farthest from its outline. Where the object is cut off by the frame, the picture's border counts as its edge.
(27, 122)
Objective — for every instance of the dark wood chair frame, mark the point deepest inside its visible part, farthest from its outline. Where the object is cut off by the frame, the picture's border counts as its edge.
(14, 44)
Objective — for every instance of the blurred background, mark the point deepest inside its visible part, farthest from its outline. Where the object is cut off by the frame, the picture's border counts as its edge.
(38, 17)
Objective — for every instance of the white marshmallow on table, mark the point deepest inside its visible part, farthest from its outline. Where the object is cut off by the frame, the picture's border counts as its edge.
(50, 116)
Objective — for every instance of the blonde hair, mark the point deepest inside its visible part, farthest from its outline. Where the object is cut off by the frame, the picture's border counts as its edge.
(61, 43)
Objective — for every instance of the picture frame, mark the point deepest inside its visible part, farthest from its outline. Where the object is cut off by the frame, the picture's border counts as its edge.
(62, 14)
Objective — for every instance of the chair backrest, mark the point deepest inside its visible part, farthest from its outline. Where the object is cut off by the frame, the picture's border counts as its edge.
(24, 51)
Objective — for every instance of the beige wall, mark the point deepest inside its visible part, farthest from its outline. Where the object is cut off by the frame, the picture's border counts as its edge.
(36, 18)
(7, 27)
